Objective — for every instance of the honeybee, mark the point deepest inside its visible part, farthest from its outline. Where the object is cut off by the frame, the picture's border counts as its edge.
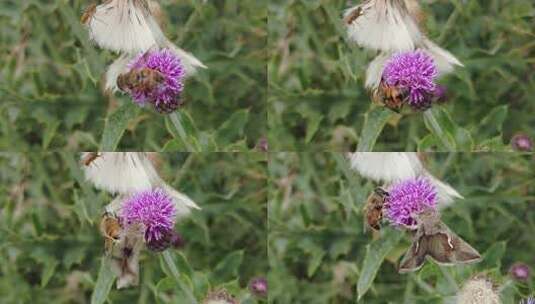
(390, 97)
(353, 15)
(142, 79)
(373, 210)
(111, 228)
(89, 158)
(88, 13)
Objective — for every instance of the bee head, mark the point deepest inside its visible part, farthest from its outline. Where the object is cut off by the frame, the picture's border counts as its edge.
(381, 192)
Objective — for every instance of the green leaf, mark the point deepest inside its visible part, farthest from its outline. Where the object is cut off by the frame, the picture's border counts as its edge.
(116, 124)
(74, 255)
(173, 146)
(105, 280)
(232, 129)
(201, 284)
(182, 263)
(492, 124)
(374, 257)
(315, 262)
(165, 284)
(313, 124)
(49, 133)
(439, 123)
(171, 267)
(494, 144)
(37, 226)
(427, 143)
(493, 256)
(48, 272)
(228, 267)
(184, 130)
(374, 122)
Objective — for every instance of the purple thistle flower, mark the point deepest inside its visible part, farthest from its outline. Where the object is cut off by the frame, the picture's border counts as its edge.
(165, 96)
(530, 300)
(415, 72)
(440, 94)
(408, 198)
(522, 142)
(259, 287)
(520, 271)
(262, 145)
(154, 209)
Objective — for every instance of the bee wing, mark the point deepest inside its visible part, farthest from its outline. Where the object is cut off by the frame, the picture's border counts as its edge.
(122, 26)
(365, 227)
(414, 258)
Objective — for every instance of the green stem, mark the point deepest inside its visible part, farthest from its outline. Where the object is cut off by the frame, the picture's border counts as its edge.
(168, 259)
(449, 278)
(437, 130)
(175, 119)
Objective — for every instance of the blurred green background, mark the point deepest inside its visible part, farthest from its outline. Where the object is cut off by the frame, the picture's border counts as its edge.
(318, 252)
(50, 79)
(51, 248)
(317, 99)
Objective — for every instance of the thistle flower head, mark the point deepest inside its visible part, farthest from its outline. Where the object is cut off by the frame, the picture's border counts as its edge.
(170, 238)
(414, 72)
(520, 271)
(154, 209)
(159, 80)
(262, 145)
(440, 94)
(409, 197)
(530, 300)
(522, 142)
(259, 287)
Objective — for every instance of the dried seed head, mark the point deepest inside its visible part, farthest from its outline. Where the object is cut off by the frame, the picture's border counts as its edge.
(478, 290)
(220, 297)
